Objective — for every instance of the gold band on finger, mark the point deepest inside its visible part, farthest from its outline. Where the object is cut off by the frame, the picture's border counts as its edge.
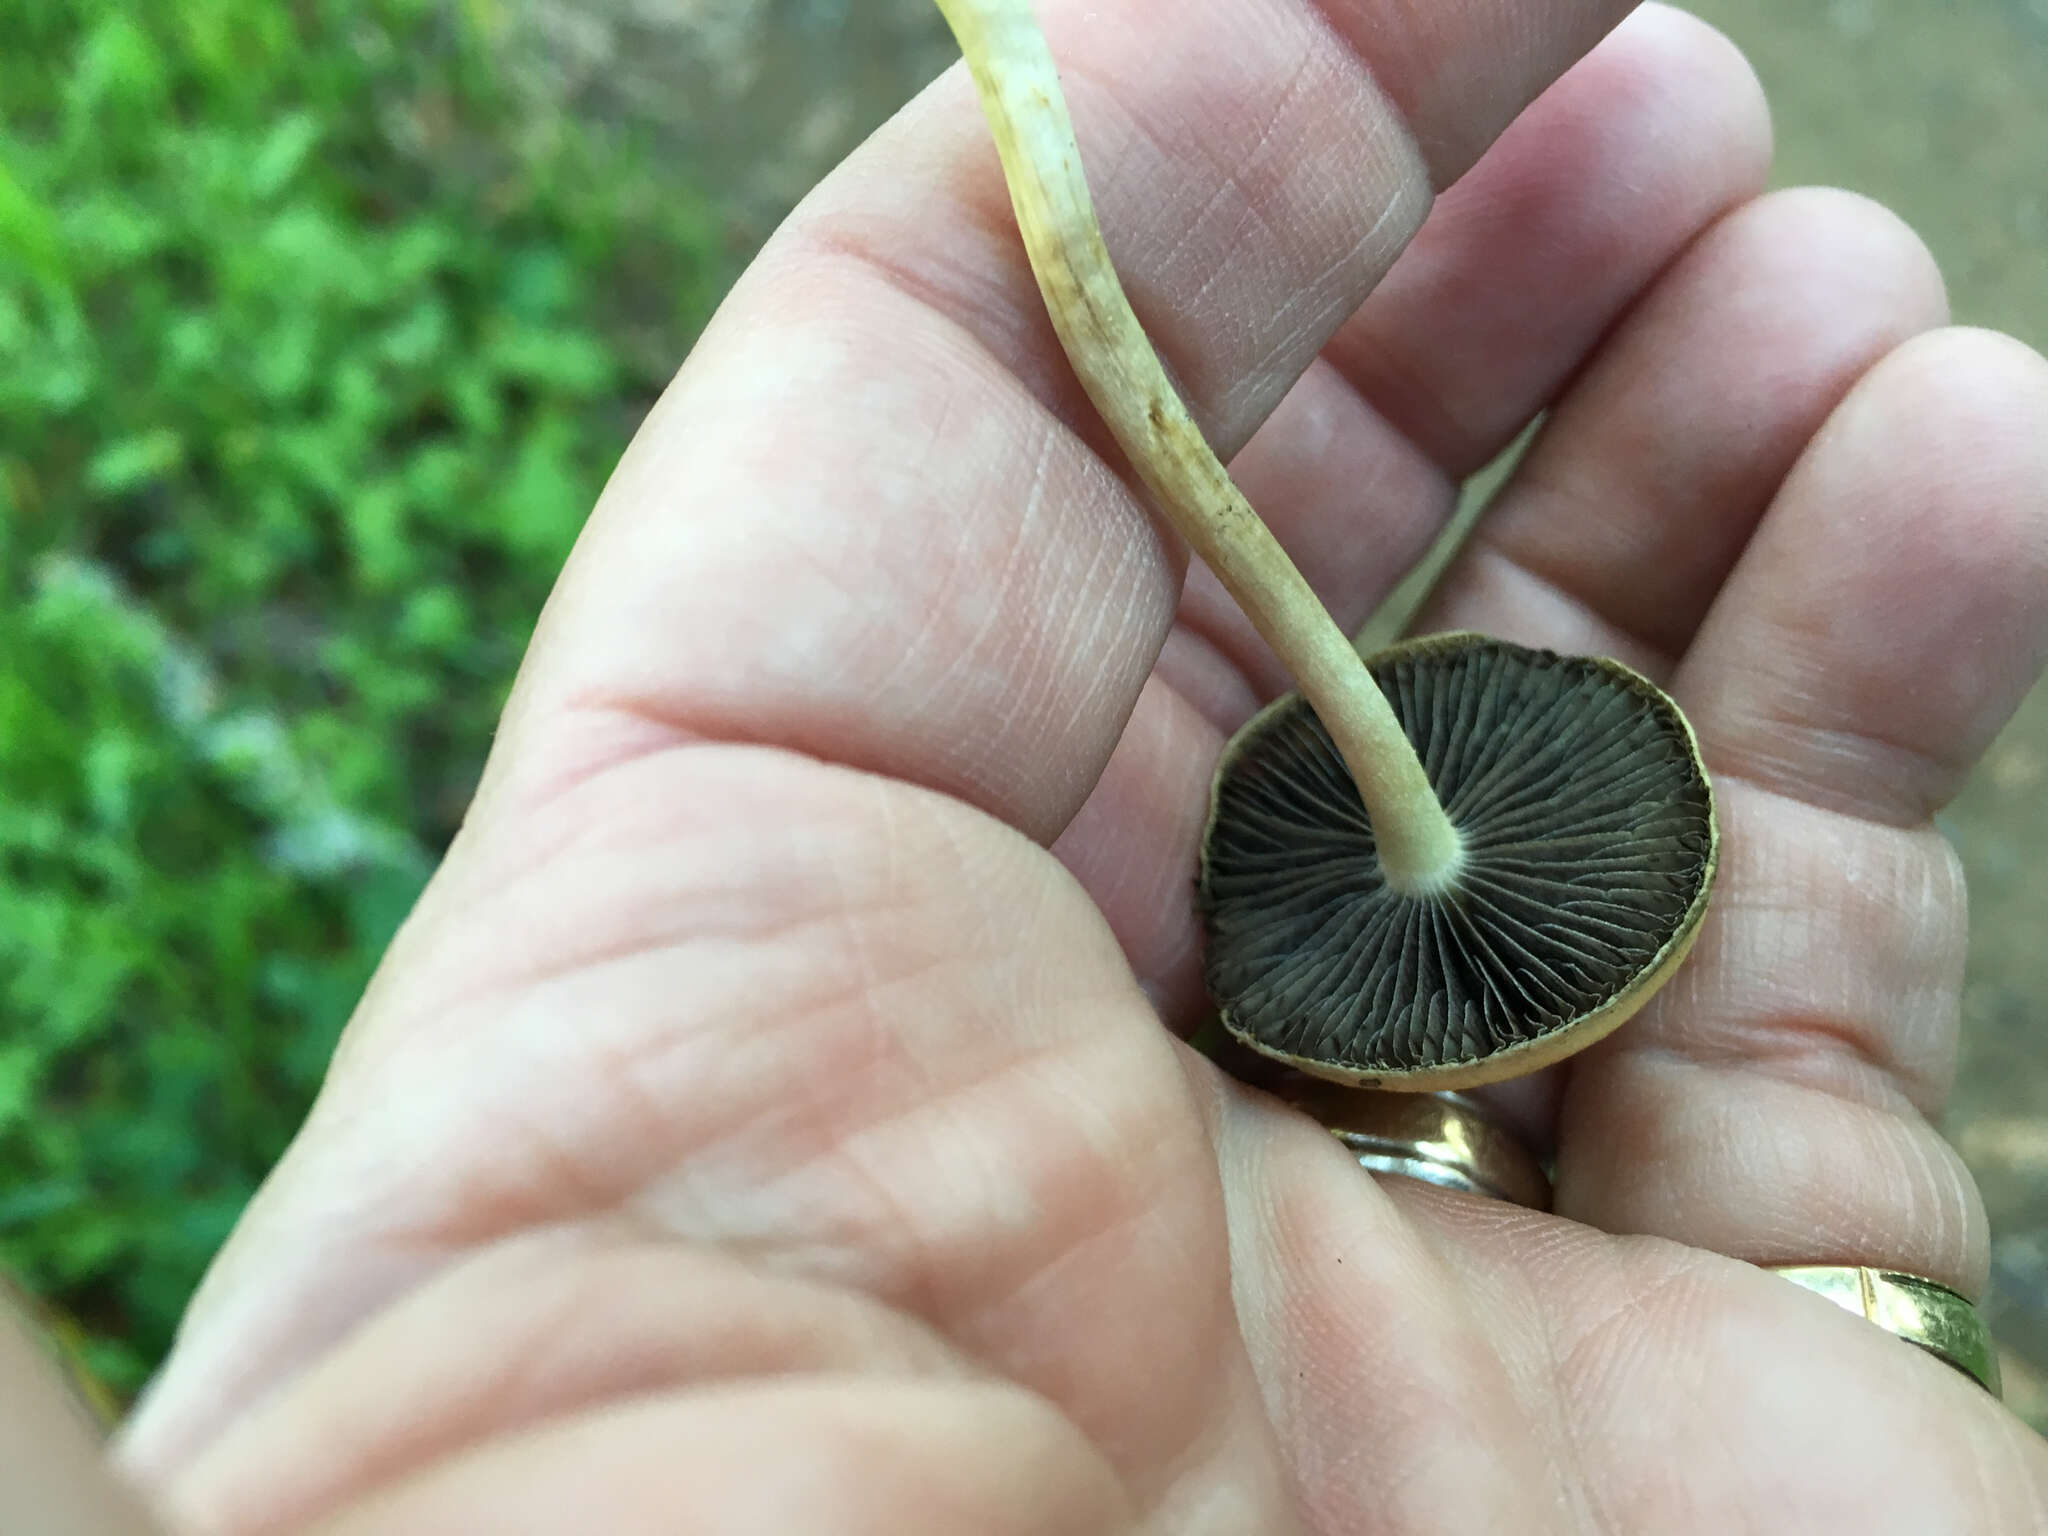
(1444, 1139)
(1911, 1307)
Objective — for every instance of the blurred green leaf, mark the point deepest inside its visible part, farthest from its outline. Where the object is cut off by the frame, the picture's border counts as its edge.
(317, 340)
(28, 231)
(20, 1066)
(118, 69)
(131, 462)
(283, 150)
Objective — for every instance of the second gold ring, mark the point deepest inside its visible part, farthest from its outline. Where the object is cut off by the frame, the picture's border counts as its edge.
(1444, 1139)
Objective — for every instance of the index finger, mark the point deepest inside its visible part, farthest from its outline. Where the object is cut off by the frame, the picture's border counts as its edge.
(871, 521)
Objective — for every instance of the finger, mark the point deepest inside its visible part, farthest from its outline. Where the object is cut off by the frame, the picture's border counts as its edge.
(1133, 846)
(543, 1326)
(1659, 130)
(837, 1456)
(867, 524)
(1885, 628)
(54, 1479)
(1637, 498)
(1517, 274)
(1774, 1102)
(1540, 1374)
(1366, 1339)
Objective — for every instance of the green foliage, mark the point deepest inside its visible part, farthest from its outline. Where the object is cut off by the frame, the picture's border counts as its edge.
(316, 343)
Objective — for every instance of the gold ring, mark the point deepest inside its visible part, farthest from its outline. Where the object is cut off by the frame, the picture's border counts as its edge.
(1444, 1139)
(1912, 1307)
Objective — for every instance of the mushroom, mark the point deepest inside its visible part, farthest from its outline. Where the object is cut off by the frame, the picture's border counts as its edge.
(1481, 876)
(1587, 848)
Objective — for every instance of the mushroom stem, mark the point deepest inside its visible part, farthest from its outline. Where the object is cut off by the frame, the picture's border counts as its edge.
(1418, 848)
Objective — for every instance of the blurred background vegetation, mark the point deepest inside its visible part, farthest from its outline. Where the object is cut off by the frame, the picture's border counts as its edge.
(321, 323)
(317, 341)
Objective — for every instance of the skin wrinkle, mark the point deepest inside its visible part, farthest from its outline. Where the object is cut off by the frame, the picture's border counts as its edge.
(1097, 630)
(828, 1217)
(1747, 993)
(1912, 783)
(1231, 183)
(1183, 328)
(1352, 40)
(1263, 383)
(1267, 377)
(1138, 1211)
(477, 985)
(793, 1011)
(1949, 1200)
(959, 1090)
(975, 304)
(1541, 1390)
(980, 786)
(1605, 1350)
(503, 864)
(516, 1375)
(978, 279)
(1133, 627)
(850, 1436)
(1749, 1182)
(1229, 398)
(551, 1302)
(1490, 1294)
(1132, 562)
(711, 914)
(1299, 1225)
(990, 1315)
(983, 600)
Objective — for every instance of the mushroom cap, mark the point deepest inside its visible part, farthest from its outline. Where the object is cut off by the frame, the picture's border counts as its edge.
(1589, 842)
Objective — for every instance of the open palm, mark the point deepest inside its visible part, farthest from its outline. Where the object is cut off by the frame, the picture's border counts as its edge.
(766, 1120)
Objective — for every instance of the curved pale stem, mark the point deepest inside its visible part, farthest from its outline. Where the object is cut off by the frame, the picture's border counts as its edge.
(1020, 92)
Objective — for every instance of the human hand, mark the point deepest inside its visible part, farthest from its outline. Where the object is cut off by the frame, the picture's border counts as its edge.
(756, 1127)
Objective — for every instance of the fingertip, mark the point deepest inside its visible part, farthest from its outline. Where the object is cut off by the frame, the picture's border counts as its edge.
(1893, 608)
(1970, 372)
(1857, 235)
(1951, 425)
(1674, 49)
